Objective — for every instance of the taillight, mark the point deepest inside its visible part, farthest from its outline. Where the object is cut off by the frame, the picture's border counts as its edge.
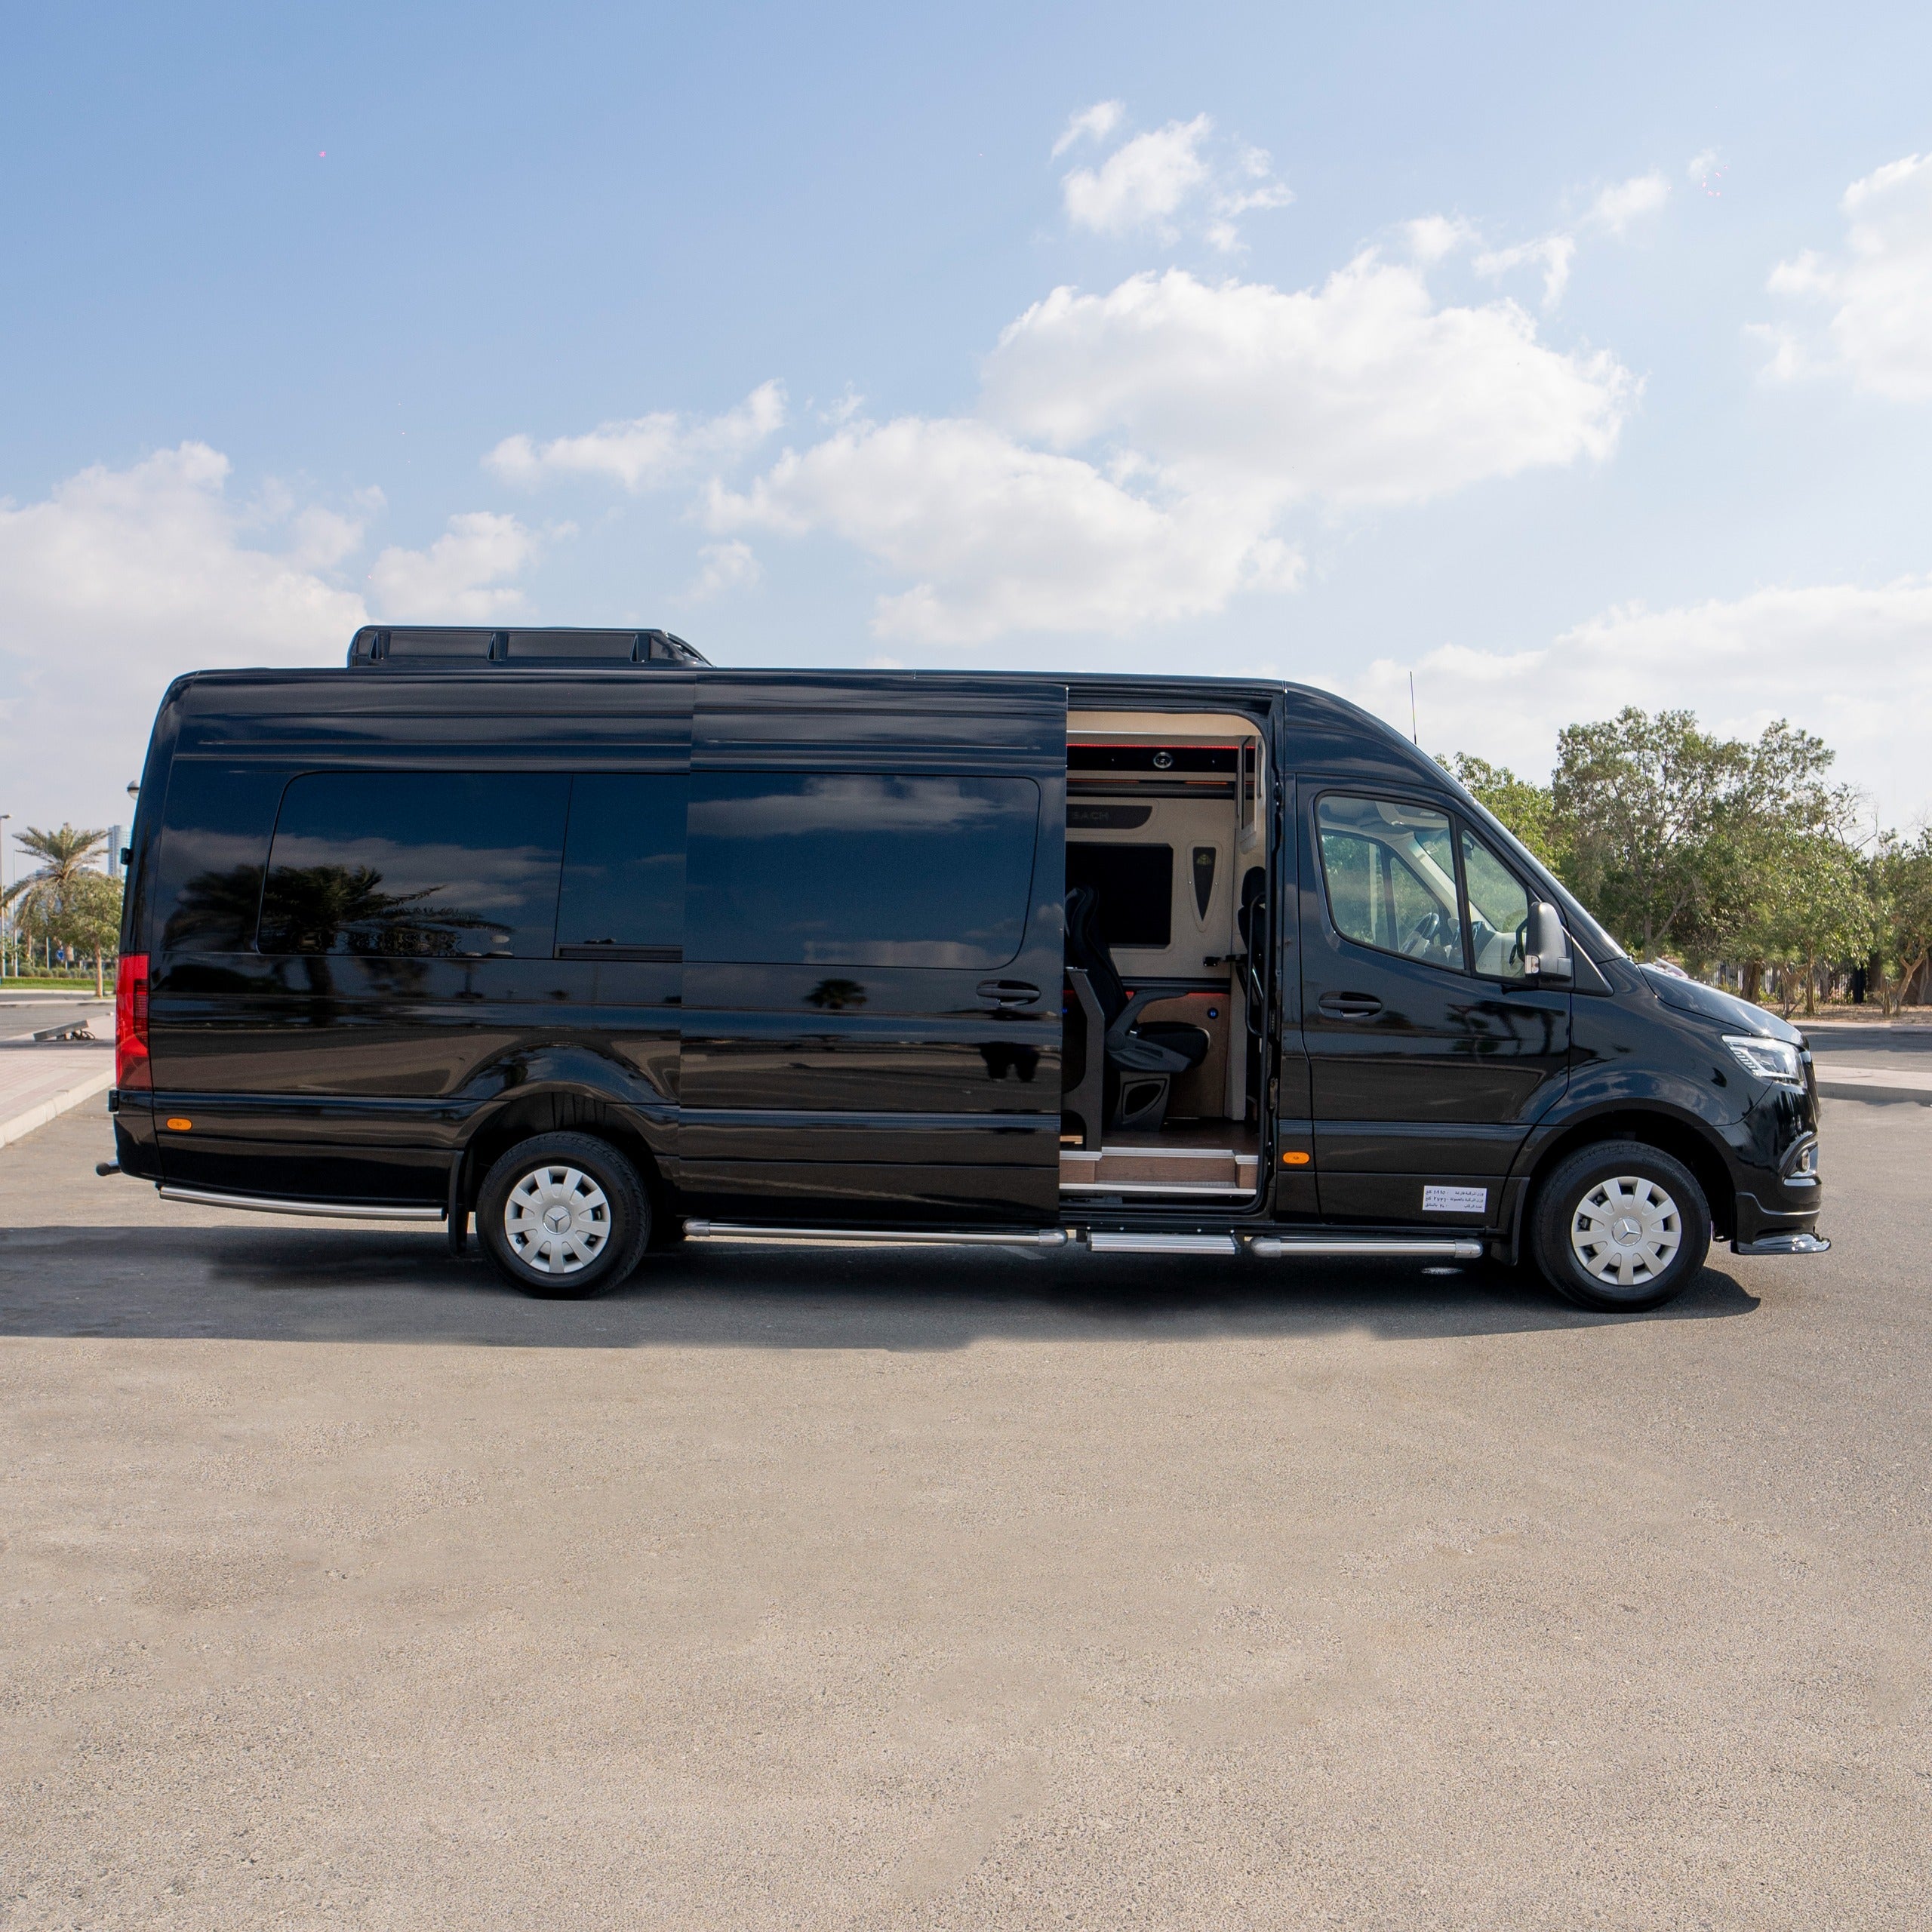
(132, 1067)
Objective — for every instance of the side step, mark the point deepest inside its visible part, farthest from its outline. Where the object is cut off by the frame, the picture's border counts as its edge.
(325, 1210)
(1422, 1249)
(1115, 1241)
(746, 1233)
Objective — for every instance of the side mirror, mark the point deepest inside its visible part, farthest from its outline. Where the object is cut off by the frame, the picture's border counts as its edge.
(1546, 955)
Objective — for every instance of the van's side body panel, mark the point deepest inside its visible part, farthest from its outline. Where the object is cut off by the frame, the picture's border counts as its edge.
(872, 1078)
(362, 1077)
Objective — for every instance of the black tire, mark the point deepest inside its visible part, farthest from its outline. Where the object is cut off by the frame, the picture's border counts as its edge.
(1641, 1271)
(611, 1217)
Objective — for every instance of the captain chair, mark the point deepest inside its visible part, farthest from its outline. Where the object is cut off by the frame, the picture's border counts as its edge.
(1142, 1057)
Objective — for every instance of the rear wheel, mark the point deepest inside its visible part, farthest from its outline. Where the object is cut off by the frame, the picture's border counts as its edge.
(1620, 1226)
(564, 1216)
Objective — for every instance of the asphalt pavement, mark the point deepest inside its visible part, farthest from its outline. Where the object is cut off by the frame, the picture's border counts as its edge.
(344, 1588)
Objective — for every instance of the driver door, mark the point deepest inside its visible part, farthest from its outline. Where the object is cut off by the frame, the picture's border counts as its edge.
(1430, 1055)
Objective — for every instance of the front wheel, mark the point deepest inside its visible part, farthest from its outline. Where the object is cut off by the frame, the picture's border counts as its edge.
(564, 1216)
(1620, 1227)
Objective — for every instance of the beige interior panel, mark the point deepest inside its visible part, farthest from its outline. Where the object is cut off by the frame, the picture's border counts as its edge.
(1200, 1093)
(1183, 823)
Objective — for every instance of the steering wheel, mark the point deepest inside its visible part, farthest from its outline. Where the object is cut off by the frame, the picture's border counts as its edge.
(1520, 951)
(1425, 939)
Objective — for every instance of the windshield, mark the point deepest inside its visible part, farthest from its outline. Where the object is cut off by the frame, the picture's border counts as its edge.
(1578, 918)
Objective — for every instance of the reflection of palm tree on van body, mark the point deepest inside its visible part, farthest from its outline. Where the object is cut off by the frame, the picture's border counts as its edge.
(315, 908)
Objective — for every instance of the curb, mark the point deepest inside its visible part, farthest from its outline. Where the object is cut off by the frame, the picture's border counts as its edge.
(22, 1124)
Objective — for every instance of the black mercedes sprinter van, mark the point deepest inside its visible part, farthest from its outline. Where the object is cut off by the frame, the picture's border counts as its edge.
(572, 932)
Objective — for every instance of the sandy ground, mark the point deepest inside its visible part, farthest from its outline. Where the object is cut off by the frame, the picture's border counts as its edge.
(344, 1589)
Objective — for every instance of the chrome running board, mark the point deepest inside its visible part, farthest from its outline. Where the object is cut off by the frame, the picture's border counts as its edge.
(1116, 1241)
(1232, 1191)
(323, 1210)
(749, 1233)
(1424, 1249)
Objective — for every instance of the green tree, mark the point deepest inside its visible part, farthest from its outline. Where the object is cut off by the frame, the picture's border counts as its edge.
(1635, 801)
(1780, 794)
(36, 899)
(1526, 808)
(1819, 909)
(1904, 903)
(87, 917)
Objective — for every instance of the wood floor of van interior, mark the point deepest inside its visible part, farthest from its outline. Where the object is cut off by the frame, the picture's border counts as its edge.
(1194, 1157)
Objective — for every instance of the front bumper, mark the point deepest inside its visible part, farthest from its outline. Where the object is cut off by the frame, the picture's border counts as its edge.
(1803, 1242)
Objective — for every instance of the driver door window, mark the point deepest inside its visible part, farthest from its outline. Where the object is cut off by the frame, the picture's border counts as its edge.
(1391, 870)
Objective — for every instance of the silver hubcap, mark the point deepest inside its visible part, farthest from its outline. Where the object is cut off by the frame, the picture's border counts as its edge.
(1626, 1232)
(557, 1220)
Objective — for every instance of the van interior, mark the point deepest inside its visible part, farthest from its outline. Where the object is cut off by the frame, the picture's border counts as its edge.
(1166, 878)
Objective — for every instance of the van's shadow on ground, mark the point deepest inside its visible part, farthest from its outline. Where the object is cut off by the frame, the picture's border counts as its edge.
(343, 1285)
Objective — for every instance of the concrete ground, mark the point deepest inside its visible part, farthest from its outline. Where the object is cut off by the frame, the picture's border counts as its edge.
(343, 1587)
(41, 1079)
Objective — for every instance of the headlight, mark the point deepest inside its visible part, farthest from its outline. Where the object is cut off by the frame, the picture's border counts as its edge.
(1775, 1060)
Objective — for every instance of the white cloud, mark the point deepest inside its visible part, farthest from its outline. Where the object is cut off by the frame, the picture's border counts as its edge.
(722, 567)
(1136, 452)
(1145, 182)
(1879, 289)
(1362, 391)
(119, 580)
(1142, 182)
(1739, 664)
(1435, 237)
(1250, 186)
(998, 538)
(1095, 123)
(645, 451)
(1555, 253)
(1612, 212)
(1616, 208)
(459, 578)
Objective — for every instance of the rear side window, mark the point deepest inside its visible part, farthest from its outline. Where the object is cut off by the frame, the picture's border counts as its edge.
(214, 842)
(416, 865)
(623, 895)
(858, 870)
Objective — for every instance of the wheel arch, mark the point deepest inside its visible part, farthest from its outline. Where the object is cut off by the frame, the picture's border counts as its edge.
(523, 1115)
(1670, 1133)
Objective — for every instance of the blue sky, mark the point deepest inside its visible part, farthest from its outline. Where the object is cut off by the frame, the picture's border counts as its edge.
(1566, 359)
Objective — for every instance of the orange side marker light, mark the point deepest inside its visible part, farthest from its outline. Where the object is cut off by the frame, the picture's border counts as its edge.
(1294, 1159)
(178, 1125)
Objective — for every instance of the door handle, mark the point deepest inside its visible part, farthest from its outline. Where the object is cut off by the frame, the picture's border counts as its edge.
(1008, 995)
(1350, 1006)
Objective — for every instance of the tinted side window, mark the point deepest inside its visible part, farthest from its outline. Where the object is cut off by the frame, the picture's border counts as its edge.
(416, 865)
(1391, 872)
(1134, 888)
(851, 869)
(214, 841)
(623, 891)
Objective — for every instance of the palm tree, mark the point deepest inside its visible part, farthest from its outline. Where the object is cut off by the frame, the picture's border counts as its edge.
(37, 899)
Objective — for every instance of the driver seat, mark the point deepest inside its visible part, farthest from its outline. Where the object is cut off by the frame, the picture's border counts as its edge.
(1141, 1058)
